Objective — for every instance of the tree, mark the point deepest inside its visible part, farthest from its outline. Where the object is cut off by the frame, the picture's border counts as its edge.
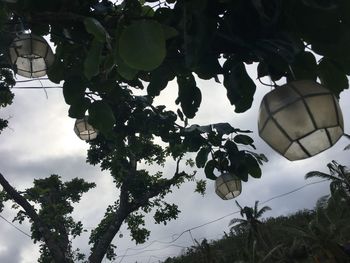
(339, 176)
(250, 225)
(104, 51)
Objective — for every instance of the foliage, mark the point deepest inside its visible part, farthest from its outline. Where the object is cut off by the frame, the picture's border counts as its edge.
(303, 237)
(106, 52)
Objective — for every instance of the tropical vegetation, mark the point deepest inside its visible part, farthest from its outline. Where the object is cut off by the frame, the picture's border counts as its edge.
(318, 235)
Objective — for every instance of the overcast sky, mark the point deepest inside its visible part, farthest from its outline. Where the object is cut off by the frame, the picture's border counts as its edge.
(41, 141)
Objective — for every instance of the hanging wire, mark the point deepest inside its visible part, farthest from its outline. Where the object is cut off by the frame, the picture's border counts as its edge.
(29, 80)
(14, 226)
(212, 221)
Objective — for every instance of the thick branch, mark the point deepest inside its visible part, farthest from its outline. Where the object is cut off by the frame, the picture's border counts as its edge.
(118, 218)
(125, 208)
(55, 250)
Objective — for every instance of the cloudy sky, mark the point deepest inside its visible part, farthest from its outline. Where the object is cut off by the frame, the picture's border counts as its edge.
(41, 141)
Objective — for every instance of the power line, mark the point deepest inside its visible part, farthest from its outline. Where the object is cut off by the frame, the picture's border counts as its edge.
(213, 221)
(39, 87)
(3, 218)
(30, 80)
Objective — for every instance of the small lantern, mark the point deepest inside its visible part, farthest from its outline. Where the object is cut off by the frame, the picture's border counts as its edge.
(84, 130)
(32, 55)
(228, 186)
(300, 119)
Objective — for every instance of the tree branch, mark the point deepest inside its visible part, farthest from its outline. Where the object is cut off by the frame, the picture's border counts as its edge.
(124, 209)
(56, 252)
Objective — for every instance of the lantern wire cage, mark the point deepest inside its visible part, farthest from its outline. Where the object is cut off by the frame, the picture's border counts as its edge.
(300, 119)
(228, 186)
(84, 130)
(31, 55)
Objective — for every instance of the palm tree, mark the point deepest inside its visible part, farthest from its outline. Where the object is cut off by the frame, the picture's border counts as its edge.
(339, 175)
(250, 224)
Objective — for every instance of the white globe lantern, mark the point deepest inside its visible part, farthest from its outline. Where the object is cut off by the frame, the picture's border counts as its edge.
(228, 186)
(84, 130)
(32, 55)
(300, 119)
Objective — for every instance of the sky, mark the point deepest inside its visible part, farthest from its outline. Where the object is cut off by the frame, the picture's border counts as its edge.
(40, 141)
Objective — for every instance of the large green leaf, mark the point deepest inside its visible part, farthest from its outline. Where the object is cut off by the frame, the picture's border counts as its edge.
(94, 27)
(332, 76)
(92, 60)
(101, 116)
(74, 89)
(142, 45)
(240, 87)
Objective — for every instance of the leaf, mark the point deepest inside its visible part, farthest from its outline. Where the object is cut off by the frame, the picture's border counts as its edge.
(101, 116)
(142, 45)
(240, 87)
(224, 128)
(209, 170)
(169, 32)
(159, 79)
(125, 71)
(189, 96)
(231, 148)
(94, 27)
(252, 166)
(92, 60)
(74, 90)
(332, 77)
(202, 157)
(304, 67)
(243, 139)
(77, 110)
(55, 73)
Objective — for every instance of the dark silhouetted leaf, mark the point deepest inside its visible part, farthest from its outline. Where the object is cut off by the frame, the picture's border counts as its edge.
(202, 157)
(92, 60)
(240, 87)
(101, 116)
(209, 170)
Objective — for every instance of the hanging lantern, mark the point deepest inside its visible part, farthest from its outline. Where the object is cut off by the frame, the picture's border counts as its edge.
(84, 130)
(32, 55)
(228, 186)
(300, 119)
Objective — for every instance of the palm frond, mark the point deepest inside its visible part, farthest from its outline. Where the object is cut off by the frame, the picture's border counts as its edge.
(256, 207)
(236, 220)
(321, 175)
(262, 211)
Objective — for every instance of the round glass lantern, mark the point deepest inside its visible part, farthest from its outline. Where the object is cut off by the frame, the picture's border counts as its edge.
(228, 186)
(300, 119)
(31, 54)
(84, 130)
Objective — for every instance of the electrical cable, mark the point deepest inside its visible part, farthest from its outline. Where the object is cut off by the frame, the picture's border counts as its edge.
(13, 225)
(213, 221)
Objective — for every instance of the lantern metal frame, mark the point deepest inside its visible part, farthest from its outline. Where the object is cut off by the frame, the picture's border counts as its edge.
(266, 115)
(84, 130)
(31, 55)
(232, 186)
